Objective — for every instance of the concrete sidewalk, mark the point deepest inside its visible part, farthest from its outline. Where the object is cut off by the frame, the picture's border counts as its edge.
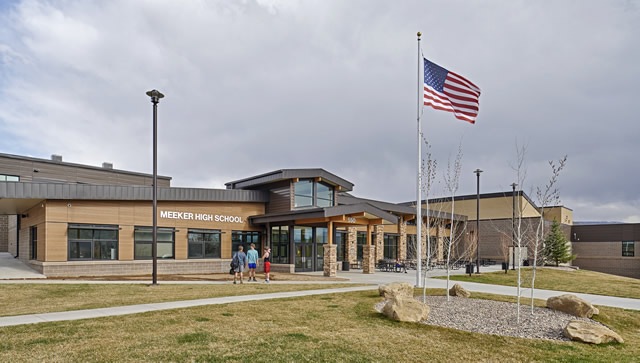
(13, 268)
(142, 308)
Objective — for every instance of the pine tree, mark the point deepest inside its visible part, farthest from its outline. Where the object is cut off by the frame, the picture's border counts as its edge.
(556, 246)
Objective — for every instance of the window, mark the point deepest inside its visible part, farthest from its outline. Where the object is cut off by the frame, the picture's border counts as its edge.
(245, 238)
(411, 247)
(302, 235)
(628, 248)
(309, 193)
(204, 243)
(341, 244)
(390, 246)
(143, 240)
(93, 242)
(34, 242)
(361, 241)
(280, 244)
(324, 195)
(9, 178)
(303, 193)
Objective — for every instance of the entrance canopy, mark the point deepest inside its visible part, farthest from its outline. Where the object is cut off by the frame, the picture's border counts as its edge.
(352, 214)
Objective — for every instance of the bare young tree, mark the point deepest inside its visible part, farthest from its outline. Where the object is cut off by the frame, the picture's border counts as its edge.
(451, 182)
(520, 169)
(429, 166)
(546, 196)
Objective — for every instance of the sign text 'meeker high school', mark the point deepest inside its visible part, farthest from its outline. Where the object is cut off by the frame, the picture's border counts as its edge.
(200, 217)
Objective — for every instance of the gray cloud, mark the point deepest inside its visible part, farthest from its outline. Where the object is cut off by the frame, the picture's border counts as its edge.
(259, 85)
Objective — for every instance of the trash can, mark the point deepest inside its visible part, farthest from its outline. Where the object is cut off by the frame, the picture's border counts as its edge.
(505, 266)
(345, 265)
(525, 263)
(469, 268)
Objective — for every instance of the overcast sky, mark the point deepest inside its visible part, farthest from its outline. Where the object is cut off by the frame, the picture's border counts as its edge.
(255, 86)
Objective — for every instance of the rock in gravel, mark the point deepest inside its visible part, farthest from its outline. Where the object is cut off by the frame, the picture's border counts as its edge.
(396, 289)
(571, 304)
(590, 333)
(405, 309)
(458, 290)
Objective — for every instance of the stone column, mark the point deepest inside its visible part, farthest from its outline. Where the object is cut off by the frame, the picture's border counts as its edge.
(352, 244)
(402, 240)
(379, 242)
(330, 260)
(368, 259)
(368, 255)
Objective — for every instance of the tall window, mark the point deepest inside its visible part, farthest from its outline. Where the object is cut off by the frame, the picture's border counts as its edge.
(309, 193)
(143, 240)
(361, 241)
(9, 178)
(412, 247)
(324, 195)
(303, 193)
(93, 242)
(280, 244)
(390, 251)
(204, 243)
(341, 242)
(34, 242)
(628, 248)
(245, 238)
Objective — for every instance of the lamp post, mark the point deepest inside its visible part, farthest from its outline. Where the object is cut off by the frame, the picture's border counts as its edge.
(513, 226)
(155, 98)
(477, 172)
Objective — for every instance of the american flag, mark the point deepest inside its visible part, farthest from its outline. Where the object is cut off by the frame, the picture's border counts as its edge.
(447, 91)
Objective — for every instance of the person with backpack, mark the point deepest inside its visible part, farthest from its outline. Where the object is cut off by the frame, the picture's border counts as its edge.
(252, 259)
(238, 262)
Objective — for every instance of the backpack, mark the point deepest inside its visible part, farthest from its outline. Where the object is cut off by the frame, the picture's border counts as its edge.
(235, 263)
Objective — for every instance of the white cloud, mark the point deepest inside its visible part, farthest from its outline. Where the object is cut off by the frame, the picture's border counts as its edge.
(254, 86)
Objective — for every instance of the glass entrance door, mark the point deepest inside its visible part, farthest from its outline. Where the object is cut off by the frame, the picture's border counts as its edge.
(304, 257)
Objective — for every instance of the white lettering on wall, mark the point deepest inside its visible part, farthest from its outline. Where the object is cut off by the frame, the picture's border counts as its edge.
(200, 217)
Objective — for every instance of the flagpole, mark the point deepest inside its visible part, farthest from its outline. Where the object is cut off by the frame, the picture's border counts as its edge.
(419, 181)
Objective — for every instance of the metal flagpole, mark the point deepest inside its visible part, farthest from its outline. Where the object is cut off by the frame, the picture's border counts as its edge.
(419, 181)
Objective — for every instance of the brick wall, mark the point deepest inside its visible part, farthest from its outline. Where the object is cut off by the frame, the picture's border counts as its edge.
(4, 233)
(607, 257)
(12, 226)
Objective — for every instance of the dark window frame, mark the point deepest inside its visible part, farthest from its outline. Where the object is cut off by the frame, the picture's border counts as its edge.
(163, 229)
(314, 194)
(628, 252)
(33, 239)
(5, 178)
(277, 246)
(246, 244)
(92, 241)
(390, 250)
(203, 243)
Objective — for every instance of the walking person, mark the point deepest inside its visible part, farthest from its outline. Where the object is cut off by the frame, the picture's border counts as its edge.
(266, 259)
(252, 259)
(240, 258)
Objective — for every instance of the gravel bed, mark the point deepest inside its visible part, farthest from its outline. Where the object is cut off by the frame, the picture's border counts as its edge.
(495, 317)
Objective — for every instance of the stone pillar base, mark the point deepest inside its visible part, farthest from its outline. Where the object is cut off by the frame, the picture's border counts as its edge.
(368, 259)
(330, 260)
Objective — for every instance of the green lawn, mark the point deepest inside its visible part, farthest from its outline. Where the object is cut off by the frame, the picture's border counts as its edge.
(589, 282)
(332, 328)
(19, 299)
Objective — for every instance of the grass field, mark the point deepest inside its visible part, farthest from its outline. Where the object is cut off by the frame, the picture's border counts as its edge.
(337, 327)
(589, 282)
(19, 299)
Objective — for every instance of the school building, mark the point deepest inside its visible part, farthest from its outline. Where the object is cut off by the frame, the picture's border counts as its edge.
(66, 219)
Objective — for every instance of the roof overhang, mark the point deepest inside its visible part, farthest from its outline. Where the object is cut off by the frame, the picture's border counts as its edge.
(295, 174)
(352, 214)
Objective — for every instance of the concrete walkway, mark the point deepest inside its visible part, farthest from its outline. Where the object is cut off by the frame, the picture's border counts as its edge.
(142, 308)
(13, 268)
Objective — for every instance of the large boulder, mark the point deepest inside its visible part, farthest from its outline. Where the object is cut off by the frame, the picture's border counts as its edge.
(587, 332)
(396, 289)
(458, 290)
(573, 305)
(405, 309)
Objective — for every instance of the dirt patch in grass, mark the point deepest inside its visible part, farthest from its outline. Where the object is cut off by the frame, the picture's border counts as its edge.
(584, 281)
(298, 329)
(20, 299)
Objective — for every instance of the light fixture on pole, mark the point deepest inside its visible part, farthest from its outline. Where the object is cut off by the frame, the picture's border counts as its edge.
(477, 172)
(513, 226)
(155, 98)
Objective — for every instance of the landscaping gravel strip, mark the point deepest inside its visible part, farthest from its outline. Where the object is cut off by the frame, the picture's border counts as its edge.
(495, 317)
